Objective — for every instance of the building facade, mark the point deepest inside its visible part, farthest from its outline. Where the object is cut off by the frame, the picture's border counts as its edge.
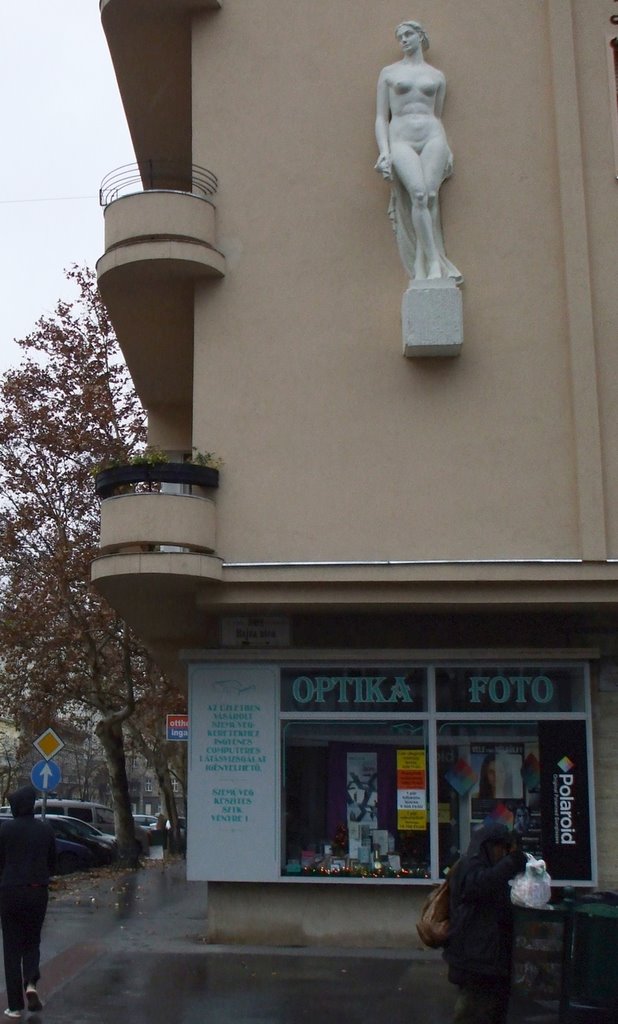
(395, 605)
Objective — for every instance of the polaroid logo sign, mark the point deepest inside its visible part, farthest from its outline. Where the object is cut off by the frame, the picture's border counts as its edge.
(564, 781)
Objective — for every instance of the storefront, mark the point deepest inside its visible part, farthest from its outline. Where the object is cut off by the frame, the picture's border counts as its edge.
(350, 773)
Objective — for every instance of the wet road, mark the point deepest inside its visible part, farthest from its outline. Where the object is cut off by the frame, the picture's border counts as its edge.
(137, 950)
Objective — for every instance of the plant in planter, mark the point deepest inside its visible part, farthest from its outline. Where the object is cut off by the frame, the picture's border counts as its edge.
(154, 456)
(149, 457)
(205, 459)
(153, 468)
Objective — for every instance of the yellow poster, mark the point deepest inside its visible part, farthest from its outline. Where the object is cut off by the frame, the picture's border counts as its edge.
(410, 760)
(412, 821)
(411, 790)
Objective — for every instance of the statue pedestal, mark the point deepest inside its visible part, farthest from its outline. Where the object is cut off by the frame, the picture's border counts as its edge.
(432, 319)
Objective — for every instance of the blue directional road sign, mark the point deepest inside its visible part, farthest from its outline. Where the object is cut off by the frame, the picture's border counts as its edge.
(45, 775)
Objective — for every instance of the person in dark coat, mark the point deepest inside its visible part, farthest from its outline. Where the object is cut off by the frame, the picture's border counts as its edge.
(480, 939)
(27, 860)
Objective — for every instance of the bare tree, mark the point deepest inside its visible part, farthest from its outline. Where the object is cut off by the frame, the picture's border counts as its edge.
(68, 406)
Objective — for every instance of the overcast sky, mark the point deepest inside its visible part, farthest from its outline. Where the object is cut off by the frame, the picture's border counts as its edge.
(63, 129)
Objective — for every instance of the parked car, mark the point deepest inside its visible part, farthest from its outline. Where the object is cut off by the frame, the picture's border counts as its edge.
(146, 820)
(99, 815)
(103, 848)
(72, 857)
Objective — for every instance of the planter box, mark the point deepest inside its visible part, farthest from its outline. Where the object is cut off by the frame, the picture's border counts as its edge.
(118, 479)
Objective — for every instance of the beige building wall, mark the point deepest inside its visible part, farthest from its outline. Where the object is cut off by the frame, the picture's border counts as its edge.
(593, 31)
(335, 446)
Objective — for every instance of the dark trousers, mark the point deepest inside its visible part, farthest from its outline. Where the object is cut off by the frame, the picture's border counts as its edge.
(22, 912)
(482, 1003)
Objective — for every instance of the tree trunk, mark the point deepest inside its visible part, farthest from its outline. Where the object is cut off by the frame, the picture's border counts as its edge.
(112, 740)
(174, 841)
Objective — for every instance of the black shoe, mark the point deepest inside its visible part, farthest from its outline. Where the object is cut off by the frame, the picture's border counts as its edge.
(32, 998)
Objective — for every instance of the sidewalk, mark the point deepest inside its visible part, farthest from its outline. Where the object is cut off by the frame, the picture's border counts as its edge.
(135, 945)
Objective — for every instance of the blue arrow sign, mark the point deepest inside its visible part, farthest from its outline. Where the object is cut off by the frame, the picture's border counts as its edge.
(45, 775)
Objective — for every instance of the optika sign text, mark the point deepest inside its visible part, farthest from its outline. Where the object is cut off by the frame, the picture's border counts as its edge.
(352, 690)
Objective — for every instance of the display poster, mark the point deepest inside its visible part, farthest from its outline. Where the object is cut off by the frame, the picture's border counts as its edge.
(498, 771)
(503, 781)
(362, 788)
(232, 791)
(565, 799)
(411, 790)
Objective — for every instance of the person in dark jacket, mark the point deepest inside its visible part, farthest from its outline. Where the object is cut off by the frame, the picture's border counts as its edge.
(27, 859)
(480, 939)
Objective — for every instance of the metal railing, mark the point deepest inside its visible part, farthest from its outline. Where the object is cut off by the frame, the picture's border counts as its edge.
(149, 175)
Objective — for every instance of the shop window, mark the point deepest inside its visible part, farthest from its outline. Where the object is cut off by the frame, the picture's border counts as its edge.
(532, 776)
(508, 742)
(487, 772)
(355, 799)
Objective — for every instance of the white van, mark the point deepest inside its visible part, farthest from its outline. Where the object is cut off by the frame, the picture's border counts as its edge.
(95, 814)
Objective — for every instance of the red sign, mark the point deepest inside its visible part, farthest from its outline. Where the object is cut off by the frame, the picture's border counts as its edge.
(177, 727)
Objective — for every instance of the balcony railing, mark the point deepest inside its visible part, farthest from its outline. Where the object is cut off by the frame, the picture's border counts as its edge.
(157, 175)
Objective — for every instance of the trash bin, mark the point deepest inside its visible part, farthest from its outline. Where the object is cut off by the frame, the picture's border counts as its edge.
(540, 943)
(592, 974)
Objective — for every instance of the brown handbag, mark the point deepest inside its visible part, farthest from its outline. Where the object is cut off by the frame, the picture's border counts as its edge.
(433, 923)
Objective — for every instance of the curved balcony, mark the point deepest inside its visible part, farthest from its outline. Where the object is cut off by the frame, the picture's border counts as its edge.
(155, 558)
(158, 212)
(152, 521)
(138, 514)
(157, 548)
(160, 238)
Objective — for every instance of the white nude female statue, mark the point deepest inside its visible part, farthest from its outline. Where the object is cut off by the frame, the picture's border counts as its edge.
(414, 154)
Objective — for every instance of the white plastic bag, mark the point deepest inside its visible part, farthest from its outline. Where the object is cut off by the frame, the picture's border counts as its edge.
(532, 888)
